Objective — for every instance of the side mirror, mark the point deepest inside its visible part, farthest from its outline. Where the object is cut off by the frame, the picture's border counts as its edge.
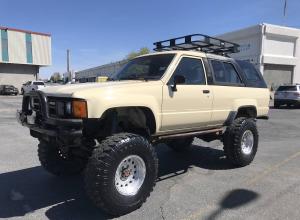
(178, 79)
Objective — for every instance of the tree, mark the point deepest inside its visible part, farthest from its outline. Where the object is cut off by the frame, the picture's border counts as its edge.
(142, 51)
(56, 77)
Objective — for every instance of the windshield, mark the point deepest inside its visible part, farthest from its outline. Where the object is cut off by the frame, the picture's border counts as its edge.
(287, 88)
(145, 68)
(38, 83)
(8, 87)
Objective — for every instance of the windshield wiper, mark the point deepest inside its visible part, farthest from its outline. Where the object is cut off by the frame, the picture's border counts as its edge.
(110, 79)
(135, 77)
(130, 77)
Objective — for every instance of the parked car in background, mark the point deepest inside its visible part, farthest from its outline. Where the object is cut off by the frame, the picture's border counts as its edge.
(32, 86)
(287, 95)
(8, 90)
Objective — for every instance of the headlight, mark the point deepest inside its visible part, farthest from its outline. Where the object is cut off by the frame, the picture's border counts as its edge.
(68, 108)
(79, 108)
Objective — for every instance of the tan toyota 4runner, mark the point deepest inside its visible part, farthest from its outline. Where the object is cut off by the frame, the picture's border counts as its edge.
(189, 88)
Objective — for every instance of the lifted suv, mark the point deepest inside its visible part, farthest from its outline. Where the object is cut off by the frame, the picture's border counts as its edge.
(108, 129)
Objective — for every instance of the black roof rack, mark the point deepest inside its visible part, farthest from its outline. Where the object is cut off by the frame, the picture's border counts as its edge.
(199, 42)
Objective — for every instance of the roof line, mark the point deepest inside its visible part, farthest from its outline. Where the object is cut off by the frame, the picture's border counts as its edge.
(24, 31)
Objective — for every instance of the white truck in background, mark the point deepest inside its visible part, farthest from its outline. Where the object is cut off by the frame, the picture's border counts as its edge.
(32, 86)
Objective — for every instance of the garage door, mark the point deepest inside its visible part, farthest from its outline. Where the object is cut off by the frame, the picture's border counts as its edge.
(276, 75)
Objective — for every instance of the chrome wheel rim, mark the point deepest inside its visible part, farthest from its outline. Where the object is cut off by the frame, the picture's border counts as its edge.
(130, 175)
(247, 142)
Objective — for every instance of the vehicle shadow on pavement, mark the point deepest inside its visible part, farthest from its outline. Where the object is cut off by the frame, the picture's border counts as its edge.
(176, 163)
(25, 191)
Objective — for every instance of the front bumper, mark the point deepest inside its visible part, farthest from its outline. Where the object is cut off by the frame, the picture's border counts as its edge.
(41, 125)
(10, 92)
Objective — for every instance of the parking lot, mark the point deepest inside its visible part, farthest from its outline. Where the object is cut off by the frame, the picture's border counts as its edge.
(199, 184)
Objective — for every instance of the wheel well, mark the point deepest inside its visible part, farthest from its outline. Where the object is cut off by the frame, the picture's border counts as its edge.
(247, 111)
(139, 120)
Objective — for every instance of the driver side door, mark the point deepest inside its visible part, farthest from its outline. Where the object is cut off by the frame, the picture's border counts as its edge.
(190, 105)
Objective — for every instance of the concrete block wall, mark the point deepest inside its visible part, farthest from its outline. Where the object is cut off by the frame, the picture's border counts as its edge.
(17, 74)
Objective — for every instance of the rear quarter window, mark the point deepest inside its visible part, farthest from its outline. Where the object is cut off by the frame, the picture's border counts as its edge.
(252, 76)
(250, 72)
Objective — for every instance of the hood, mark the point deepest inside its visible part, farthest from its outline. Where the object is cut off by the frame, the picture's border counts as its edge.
(69, 89)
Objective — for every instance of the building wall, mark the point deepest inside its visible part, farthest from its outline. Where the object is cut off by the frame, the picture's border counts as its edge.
(272, 46)
(27, 51)
(41, 48)
(279, 51)
(296, 78)
(16, 47)
(17, 74)
(249, 40)
(89, 75)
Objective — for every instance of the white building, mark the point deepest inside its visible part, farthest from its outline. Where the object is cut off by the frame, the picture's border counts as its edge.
(275, 50)
(22, 53)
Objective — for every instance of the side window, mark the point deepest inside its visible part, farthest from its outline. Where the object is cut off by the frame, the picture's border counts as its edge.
(225, 73)
(231, 74)
(192, 70)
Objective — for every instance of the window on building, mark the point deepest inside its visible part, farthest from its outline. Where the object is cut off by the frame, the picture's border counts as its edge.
(192, 70)
(28, 48)
(4, 45)
(225, 73)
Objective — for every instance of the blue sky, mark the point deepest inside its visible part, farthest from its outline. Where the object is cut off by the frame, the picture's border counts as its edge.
(98, 32)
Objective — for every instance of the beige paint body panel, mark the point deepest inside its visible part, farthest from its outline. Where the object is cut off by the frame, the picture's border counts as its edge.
(103, 96)
(181, 110)
(229, 98)
(186, 109)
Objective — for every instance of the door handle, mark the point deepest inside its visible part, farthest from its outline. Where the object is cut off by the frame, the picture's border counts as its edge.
(206, 91)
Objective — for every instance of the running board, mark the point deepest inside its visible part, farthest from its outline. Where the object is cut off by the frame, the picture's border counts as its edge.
(218, 131)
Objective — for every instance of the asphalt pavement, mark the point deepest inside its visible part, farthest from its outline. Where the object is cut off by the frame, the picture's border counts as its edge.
(199, 184)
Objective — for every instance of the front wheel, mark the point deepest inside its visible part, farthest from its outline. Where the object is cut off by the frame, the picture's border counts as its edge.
(121, 173)
(241, 141)
(59, 164)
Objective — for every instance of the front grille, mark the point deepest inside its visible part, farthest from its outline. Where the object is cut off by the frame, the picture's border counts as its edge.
(52, 108)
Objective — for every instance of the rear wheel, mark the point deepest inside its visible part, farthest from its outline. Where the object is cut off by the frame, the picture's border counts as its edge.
(180, 145)
(59, 164)
(241, 141)
(121, 173)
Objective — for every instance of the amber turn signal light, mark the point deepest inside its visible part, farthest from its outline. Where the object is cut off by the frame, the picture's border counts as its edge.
(79, 108)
